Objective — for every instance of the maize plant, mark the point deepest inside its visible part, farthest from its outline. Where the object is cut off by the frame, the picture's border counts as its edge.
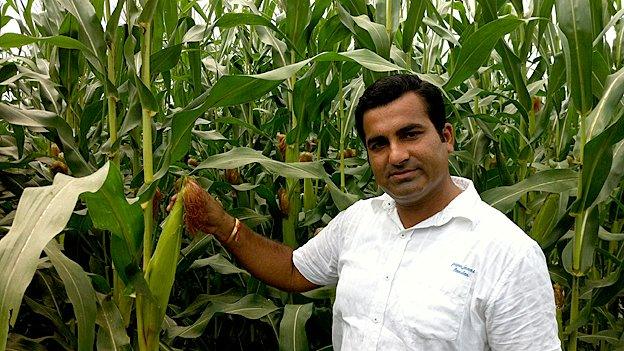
(105, 104)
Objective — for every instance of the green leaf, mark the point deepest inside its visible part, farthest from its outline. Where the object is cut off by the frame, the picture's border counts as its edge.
(165, 59)
(147, 14)
(41, 214)
(545, 220)
(553, 181)
(605, 111)
(238, 89)
(251, 306)
(91, 31)
(14, 40)
(292, 336)
(219, 263)
(377, 33)
(49, 120)
(112, 333)
(477, 48)
(197, 328)
(597, 161)
(415, 14)
(109, 210)
(242, 156)
(80, 292)
(297, 17)
(113, 22)
(615, 174)
(574, 20)
(584, 242)
(355, 7)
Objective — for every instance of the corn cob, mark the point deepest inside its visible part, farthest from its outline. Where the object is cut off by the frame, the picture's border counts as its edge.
(159, 275)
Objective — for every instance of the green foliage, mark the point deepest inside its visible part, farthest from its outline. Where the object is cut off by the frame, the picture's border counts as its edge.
(233, 93)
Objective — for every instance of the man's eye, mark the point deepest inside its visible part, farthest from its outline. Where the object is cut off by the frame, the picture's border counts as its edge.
(412, 134)
(374, 146)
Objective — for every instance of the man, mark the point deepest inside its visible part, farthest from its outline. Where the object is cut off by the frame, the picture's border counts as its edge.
(427, 265)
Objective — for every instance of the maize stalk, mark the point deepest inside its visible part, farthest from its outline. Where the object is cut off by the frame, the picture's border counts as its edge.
(159, 275)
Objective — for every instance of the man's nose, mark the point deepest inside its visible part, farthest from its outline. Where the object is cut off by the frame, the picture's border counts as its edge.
(398, 154)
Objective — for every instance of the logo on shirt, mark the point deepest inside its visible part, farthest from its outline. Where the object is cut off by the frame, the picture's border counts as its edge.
(463, 270)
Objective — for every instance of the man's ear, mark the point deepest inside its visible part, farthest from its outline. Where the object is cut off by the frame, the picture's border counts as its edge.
(448, 136)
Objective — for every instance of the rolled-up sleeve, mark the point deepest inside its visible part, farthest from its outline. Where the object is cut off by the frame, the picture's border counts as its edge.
(317, 260)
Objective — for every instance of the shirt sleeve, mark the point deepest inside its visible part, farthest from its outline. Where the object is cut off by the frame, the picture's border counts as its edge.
(520, 314)
(317, 260)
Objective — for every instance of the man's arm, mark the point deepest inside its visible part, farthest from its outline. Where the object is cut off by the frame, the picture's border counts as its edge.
(265, 259)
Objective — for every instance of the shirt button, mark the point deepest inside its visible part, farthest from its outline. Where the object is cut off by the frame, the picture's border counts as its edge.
(387, 277)
(376, 320)
(402, 235)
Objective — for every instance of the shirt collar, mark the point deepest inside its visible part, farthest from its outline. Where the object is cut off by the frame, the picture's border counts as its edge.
(462, 206)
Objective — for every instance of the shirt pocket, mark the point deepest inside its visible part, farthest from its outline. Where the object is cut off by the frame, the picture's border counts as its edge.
(436, 306)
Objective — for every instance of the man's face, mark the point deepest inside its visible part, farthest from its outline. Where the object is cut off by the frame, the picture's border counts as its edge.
(405, 151)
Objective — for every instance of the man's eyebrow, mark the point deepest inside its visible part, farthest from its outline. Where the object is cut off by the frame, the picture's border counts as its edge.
(374, 139)
(410, 127)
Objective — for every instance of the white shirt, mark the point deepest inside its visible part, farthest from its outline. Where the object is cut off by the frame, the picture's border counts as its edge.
(466, 278)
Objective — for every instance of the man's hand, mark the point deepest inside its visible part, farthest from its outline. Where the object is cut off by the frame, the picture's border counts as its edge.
(202, 213)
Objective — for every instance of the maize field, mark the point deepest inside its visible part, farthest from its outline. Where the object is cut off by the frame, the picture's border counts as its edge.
(107, 108)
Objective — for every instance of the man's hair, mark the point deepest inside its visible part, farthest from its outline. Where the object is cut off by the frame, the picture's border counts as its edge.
(388, 89)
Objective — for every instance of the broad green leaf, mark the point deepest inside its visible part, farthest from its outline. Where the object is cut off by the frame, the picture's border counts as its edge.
(607, 236)
(377, 33)
(165, 59)
(41, 214)
(80, 292)
(109, 210)
(444, 33)
(322, 293)
(229, 20)
(546, 219)
(202, 300)
(297, 17)
(91, 30)
(292, 336)
(197, 328)
(388, 14)
(514, 68)
(219, 263)
(112, 333)
(574, 20)
(355, 7)
(147, 98)
(113, 22)
(583, 244)
(553, 181)
(242, 156)
(49, 120)
(597, 161)
(415, 14)
(251, 306)
(477, 48)
(332, 32)
(14, 40)
(615, 174)
(238, 89)
(611, 101)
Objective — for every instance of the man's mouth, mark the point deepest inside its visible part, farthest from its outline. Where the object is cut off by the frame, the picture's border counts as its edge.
(403, 174)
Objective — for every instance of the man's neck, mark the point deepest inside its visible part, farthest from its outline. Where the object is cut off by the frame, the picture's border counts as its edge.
(412, 214)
